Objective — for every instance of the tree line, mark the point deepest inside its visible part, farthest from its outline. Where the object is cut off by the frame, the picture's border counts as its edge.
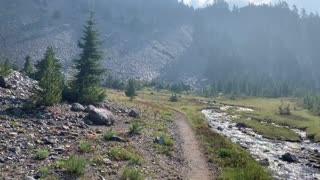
(258, 50)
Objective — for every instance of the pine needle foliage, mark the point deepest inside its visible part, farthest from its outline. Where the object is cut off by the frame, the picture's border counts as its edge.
(6, 68)
(86, 87)
(131, 88)
(28, 69)
(50, 79)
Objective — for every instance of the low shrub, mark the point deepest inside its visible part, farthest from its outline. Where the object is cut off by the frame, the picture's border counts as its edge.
(85, 147)
(131, 174)
(167, 147)
(42, 154)
(173, 98)
(122, 154)
(75, 165)
(135, 128)
(44, 171)
(108, 135)
(224, 153)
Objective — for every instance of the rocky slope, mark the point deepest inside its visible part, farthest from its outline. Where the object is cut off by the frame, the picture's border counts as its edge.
(61, 130)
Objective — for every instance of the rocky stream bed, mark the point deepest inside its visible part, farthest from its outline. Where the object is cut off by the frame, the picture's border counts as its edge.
(285, 160)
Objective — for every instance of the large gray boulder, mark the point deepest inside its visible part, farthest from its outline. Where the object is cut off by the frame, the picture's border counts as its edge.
(77, 107)
(101, 117)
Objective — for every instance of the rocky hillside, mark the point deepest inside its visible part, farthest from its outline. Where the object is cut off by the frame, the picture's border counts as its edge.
(139, 41)
(105, 141)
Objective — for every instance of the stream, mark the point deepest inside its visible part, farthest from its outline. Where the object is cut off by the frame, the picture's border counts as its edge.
(269, 151)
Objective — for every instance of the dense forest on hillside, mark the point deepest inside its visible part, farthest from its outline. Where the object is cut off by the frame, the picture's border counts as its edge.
(267, 50)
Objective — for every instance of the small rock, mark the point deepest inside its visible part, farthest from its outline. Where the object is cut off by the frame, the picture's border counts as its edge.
(83, 125)
(13, 149)
(220, 128)
(90, 108)
(65, 127)
(3, 82)
(99, 131)
(289, 157)
(117, 139)
(101, 177)
(77, 107)
(241, 125)
(49, 141)
(265, 162)
(13, 133)
(266, 151)
(317, 166)
(159, 140)
(107, 161)
(59, 149)
(29, 178)
(134, 113)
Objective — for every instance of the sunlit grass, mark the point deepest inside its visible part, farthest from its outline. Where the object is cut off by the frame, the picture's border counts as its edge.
(238, 164)
(266, 110)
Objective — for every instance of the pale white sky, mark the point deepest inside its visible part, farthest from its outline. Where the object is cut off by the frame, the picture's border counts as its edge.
(309, 5)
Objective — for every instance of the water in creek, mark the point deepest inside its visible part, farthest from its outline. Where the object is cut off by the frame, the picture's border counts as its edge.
(272, 150)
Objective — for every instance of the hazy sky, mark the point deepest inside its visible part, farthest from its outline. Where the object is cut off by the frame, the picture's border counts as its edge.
(310, 5)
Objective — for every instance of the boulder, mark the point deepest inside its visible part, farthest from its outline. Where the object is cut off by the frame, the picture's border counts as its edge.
(289, 157)
(134, 113)
(101, 117)
(77, 107)
(90, 108)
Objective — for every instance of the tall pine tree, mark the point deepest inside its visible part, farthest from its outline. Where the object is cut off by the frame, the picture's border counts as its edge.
(28, 68)
(87, 84)
(50, 79)
(131, 88)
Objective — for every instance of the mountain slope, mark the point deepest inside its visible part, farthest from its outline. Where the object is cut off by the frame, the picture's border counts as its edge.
(138, 40)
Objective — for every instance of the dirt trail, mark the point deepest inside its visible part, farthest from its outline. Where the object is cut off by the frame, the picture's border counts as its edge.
(198, 167)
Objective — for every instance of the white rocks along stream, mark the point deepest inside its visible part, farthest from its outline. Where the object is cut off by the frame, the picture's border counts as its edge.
(269, 150)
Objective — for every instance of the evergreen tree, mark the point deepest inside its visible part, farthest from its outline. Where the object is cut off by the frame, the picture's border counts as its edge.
(174, 97)
(87, 84)
(28, 68)
(131, 88)
(6, 68)
(50, 79)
